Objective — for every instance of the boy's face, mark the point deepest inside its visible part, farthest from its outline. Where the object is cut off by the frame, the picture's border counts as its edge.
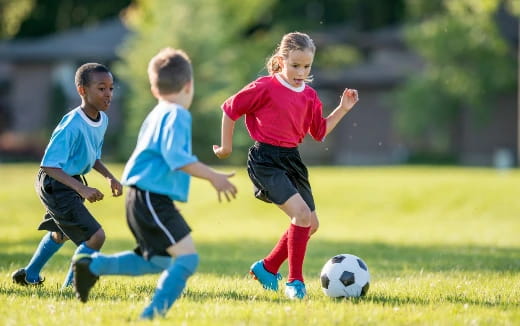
(98, 93)
(297, 66)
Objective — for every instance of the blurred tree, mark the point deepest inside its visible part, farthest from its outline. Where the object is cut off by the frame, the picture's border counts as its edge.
(33, 18)
(224, 59)
(12, 13)
(468, 66)
(229, 42)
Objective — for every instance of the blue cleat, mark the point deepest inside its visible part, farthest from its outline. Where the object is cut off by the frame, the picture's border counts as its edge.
(295, 290)
(268, 280)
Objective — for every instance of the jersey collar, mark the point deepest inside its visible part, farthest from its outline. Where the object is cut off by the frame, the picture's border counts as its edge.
(89, 121)
(286, 84)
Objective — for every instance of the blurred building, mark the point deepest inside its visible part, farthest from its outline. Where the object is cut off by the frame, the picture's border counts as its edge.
(37, 83)
(367, 135)
(36, 88)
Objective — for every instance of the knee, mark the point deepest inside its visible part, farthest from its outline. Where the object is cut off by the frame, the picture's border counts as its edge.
(97, 240)
(303, 216)
(315, 224)
(59, 237)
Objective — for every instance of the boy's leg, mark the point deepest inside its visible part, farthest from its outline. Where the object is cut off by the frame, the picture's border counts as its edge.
(127, 263)
(170, 285)
(88, 268)
(173, 280)
(31, 273)
(82, 249)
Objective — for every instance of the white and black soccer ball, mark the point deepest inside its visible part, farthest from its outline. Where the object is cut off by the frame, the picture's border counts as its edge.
(346, 276)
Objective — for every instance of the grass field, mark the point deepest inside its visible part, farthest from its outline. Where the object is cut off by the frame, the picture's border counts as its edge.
(442, 246)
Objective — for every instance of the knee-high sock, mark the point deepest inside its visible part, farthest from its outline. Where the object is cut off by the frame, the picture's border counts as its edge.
(297, 239)
(278, 255)
(46, 249)
(127, 263)
(82, 249)
(170, 285)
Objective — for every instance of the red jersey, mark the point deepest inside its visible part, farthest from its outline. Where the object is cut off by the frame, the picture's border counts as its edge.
(277, 113)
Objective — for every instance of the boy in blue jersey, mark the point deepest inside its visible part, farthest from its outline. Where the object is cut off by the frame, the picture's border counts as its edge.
(158, 173)
(73, 150)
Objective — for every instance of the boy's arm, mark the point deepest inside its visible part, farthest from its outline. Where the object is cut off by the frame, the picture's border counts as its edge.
(218, 180)
(226, 147)
(115, 185)
(348, 99)
(90, 194)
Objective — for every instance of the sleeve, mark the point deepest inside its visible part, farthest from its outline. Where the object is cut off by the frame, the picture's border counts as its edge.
(318, 126)
(247, 100)
(176, 141)
(59, 149)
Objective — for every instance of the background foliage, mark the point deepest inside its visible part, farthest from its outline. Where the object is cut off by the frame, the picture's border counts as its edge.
(468, 65)
(469, 61)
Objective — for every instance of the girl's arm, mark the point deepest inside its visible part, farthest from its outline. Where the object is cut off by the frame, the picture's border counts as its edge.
(348, 99)
(226, 147)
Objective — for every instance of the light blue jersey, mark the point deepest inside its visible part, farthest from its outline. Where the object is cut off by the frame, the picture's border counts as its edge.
(76, 143)
(163, 147)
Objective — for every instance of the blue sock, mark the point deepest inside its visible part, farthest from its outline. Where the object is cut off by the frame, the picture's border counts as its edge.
(82, 249)
(46, 249)
(126, 263)
(170, 285)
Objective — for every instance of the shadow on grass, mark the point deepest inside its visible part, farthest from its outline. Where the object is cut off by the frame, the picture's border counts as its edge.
(233, 258)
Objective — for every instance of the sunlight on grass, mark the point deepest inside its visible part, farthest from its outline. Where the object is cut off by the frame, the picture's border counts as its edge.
(441, 244)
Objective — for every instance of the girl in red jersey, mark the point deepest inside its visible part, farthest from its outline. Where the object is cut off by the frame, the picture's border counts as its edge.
(280, 109)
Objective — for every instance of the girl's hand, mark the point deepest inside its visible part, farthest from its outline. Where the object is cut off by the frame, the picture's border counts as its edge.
(348, 99)
(221, 152)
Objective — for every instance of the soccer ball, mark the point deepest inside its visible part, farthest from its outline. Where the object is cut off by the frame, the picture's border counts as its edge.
(345, 276)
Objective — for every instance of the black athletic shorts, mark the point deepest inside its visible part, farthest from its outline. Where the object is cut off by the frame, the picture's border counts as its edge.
(66, 212)
(154, 221)
(278, 173)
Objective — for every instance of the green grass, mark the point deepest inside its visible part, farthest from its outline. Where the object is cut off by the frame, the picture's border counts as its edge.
(442, 245)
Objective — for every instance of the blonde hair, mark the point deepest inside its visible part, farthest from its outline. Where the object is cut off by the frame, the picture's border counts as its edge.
(290, 42)
(169, 70)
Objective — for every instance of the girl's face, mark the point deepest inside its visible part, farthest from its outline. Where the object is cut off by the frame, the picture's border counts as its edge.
(297, 66)
(98, 93)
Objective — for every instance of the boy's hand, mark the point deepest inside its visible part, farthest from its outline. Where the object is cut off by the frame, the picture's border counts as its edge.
(116, 186)
(91, 194)
(348, 99)
(221, 152)
(222, 185)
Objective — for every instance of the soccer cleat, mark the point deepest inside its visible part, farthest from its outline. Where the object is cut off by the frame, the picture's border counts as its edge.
(295, 290)
(20, 277)
(268, 280)
(84, 279)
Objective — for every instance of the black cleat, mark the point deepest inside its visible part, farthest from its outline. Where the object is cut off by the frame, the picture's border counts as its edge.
(20, 277)
(84, 280)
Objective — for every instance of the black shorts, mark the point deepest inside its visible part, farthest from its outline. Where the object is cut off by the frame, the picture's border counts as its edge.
(278, 173)
(154, 221)
(66, 212)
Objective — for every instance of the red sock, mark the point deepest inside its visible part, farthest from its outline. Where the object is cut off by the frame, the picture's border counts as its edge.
(277, 256)
(297, 239)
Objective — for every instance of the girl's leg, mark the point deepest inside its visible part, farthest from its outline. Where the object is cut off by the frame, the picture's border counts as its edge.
(280, 252)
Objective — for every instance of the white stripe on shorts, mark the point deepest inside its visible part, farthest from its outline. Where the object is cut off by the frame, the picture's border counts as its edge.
(156, 218)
